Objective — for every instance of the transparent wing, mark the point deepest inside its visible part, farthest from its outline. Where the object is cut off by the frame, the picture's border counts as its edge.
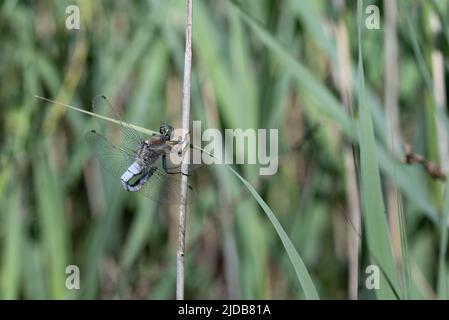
(161, 186)
(130, 139)
(166, 188)
(114, 159)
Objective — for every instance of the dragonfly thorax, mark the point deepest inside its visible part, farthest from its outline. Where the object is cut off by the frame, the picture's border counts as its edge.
(148, 154)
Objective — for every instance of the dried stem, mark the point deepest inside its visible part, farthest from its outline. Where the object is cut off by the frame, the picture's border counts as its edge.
(185, 126)
(392, 117)
(344, 74)
(439, 88)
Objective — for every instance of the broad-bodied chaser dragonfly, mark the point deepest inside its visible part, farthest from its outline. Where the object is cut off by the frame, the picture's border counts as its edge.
(140, 165)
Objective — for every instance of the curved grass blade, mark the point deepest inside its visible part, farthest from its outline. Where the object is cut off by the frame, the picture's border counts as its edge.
(93, 114)
(300, 269)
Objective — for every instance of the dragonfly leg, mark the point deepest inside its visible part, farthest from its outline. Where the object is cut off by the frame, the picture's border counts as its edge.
(166, 168)
(181, 142)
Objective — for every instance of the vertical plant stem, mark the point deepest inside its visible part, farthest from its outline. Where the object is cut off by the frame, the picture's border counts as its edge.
(185, 126)
(392, 116)
(344, 74)
(439, 91)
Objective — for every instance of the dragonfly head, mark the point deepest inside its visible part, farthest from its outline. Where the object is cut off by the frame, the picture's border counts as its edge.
(166, 131)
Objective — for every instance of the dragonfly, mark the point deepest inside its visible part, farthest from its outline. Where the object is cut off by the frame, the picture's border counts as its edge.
(140, 165)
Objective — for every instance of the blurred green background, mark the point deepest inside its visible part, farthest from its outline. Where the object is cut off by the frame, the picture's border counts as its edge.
(289, 65)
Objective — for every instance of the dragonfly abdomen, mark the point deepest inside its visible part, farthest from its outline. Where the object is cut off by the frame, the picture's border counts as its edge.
(134, 170)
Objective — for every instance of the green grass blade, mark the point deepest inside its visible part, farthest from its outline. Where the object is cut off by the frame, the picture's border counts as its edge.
(34, 279)
(137, 128)
(328, 106)
(12, 259)
(442, 269)
(300, 269)
(375, 221)
(53, 225)
(140, 230)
